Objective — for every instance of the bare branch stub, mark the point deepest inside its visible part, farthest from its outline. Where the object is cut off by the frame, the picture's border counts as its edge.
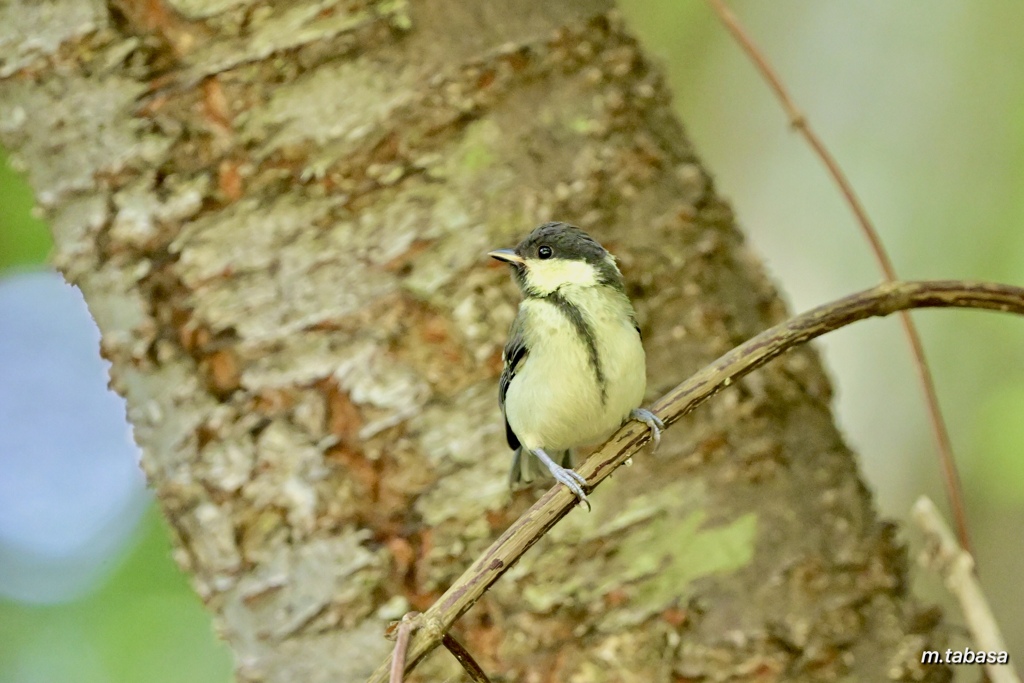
(474, 670)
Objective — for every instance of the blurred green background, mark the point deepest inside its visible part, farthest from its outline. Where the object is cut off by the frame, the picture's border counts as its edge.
(922, 103)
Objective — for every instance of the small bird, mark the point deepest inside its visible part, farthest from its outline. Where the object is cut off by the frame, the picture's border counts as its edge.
(574, 366)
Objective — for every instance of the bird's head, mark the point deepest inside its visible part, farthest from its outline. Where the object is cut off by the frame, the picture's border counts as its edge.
(556, 256)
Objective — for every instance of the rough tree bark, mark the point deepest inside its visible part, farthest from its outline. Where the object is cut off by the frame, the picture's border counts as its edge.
(278, 214)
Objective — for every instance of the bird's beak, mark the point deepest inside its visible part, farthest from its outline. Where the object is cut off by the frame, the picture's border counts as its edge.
(506, 255)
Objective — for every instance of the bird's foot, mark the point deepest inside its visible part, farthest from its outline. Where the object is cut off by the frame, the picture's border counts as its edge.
(653, 423)
(573, 480)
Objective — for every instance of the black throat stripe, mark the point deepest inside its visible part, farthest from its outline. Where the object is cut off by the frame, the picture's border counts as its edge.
(586, 335)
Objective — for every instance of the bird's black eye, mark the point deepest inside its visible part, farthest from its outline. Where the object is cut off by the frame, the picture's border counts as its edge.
(545, 252)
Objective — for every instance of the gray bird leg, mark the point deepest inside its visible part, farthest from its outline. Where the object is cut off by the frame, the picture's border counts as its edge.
(653, 423)
(573, 480)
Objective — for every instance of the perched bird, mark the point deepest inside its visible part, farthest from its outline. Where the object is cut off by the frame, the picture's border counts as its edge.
(574, 367)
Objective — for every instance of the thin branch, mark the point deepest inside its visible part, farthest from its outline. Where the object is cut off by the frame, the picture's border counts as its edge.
(882, 300)
(402, 631)
(405, 628)
(475, 671)
(956, 567)
(951, 478)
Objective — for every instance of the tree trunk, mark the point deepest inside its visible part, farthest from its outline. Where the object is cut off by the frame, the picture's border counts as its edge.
(278, 215)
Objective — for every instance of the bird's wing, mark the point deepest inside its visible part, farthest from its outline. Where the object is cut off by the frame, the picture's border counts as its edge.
(514, 354)
(636, 325)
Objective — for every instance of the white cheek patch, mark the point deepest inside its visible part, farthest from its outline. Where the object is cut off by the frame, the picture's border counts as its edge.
(548, 275)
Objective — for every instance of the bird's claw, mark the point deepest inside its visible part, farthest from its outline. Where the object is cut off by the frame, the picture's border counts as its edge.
(572, 479)
(653, 423)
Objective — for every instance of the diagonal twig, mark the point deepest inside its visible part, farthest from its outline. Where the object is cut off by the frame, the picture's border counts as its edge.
(882, 300)
(951, 478)
(475, 671)
(956, 567)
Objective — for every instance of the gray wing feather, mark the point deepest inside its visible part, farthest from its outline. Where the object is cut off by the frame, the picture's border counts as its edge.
(514, 354)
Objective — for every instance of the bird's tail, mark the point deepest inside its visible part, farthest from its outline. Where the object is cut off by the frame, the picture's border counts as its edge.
(526, 467)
